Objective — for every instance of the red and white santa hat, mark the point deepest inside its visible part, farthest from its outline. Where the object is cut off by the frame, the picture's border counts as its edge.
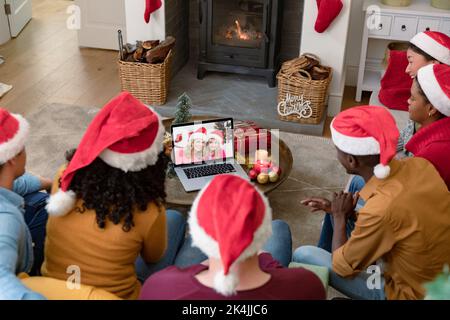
(199, 134)
(14, 131)
(216, 134)
(230, 220)
(434, 79)
(125, 134)
(367, 130)
(436, 44)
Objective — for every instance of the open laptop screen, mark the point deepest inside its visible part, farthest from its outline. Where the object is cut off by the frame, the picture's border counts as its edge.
(199, 142)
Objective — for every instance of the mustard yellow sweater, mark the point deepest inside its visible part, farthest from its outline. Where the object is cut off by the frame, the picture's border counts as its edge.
(104, 257)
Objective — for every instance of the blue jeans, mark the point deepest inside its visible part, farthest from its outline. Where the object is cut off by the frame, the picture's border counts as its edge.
(36, 217)
(279, 245)
(176, 229)
(355, 288)
(326, 235)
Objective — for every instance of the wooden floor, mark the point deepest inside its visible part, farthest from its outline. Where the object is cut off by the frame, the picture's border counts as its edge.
(45, 65)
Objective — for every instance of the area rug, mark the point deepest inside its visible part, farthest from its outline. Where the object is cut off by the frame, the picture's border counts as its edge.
(56, 128)
(232, 95)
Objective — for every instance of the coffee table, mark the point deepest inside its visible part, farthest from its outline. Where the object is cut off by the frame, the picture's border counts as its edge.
(175, 191)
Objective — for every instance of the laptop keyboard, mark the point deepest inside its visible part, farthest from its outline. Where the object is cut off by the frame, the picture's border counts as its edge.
(210, 170)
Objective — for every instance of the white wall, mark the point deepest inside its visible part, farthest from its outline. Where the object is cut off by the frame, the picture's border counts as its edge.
(4, 27)
(330, 46)
(136, 27)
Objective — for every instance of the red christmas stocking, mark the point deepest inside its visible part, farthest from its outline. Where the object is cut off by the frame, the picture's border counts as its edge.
(328, 11)
(150, 7)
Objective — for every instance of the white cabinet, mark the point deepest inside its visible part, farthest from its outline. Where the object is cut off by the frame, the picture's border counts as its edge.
(429, 24)
(383, 28)
(396, 24)
(445, 28)
(404, 27)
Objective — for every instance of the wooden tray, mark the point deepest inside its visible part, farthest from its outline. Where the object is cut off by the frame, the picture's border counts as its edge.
(175, 191)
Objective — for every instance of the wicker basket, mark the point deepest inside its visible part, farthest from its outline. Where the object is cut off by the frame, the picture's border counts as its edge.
(310, 93)
(147, 82)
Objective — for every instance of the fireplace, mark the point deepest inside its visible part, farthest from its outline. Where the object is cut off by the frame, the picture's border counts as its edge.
(240, 36)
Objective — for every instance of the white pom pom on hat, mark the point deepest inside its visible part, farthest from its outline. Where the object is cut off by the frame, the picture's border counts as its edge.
(231, 226)
(367, 130)
(226, 284)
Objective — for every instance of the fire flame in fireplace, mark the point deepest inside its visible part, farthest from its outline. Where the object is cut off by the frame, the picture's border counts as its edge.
(241, 35)
(237, 32)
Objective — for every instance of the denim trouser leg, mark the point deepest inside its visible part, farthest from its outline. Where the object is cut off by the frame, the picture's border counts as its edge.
(176, 228)
(36, 217)
(355, 288)
(189, 255)
(326, 235)
(279, 245)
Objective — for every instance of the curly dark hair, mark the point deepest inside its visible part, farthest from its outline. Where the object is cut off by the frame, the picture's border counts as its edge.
(115, 194)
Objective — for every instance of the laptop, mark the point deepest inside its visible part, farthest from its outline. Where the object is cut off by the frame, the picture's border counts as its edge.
(202, 150)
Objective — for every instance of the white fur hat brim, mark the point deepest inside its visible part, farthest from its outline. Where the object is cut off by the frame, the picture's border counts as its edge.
(139, 160)
(14, 146)
(433, 90)
(360, 147)
(431, 47)
(197, 136)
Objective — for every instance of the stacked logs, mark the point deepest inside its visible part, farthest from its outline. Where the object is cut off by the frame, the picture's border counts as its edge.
(150, 51)
(309, 63)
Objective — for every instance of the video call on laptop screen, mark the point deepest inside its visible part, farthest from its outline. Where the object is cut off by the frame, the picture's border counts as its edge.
(203, 142)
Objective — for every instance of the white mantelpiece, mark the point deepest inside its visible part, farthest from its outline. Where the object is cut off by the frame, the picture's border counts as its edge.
(330, 46)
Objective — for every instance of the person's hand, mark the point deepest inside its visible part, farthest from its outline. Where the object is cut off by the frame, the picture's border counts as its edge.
(46, 184)
(343, 205)
(317, 204)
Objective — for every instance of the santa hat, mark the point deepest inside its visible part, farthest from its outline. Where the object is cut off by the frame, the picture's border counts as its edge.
(200, 134)
(126, 135)
(13, 134)
(434, 80)
(230, 220)
(216, 134)
(436, 44)
(367, 130)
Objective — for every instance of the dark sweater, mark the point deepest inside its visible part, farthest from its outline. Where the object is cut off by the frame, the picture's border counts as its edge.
(173, 283)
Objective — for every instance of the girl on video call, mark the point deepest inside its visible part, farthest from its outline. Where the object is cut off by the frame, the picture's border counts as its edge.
(195, 148)
(215, 146)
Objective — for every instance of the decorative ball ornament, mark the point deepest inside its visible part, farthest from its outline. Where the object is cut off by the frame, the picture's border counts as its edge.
(263, 178)
(273, 176)
(253, 175)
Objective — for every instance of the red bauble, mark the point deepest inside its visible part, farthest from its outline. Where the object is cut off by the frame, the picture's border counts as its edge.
(264, 169)
(257, 167)
(253, 175)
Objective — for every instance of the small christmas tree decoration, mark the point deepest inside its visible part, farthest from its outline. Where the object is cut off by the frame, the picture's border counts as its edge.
(184, 105)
